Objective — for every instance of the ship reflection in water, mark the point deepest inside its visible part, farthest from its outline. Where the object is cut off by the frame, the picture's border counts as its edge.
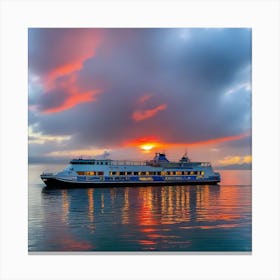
(168, 218)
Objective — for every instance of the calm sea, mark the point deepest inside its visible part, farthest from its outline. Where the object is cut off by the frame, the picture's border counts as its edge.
(168, 218)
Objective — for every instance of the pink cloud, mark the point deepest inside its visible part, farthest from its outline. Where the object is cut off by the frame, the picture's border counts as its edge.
(72, 100)
(140, 115)
(65, 95)
(145, 98)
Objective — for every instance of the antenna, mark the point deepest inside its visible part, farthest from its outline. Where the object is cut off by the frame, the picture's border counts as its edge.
(186, 152)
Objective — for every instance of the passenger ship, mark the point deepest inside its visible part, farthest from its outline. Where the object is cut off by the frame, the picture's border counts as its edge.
(106, 172)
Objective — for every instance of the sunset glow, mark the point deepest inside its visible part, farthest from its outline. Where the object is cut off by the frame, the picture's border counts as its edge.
(135, 92)
(145, 144)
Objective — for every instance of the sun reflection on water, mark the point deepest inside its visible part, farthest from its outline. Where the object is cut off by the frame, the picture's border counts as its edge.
(145, 218)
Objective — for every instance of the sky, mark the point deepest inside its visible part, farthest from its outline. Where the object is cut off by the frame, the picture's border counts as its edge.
(126, 93)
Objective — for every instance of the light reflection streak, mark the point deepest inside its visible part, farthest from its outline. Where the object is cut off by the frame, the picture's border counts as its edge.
(65, 207)
(102, 202)
(90, 193)
(113, 195)
(174, 205)
(125, 209)
(145, 215)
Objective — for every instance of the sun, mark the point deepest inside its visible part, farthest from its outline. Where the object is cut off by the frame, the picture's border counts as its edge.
(147, 147)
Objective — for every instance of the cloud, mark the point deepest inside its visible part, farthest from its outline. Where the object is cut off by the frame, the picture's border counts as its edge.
(53, 52)
(140, 115)
(64, 95)
(91, 152)
(154, 142)
(54, 56)
(107, 87)
(38, 138)
(49, 102)
(145, 98)
(233, 160)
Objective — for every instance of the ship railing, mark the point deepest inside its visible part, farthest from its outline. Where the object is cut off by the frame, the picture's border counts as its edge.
(175, 164)
(169, 164)
(128, 162)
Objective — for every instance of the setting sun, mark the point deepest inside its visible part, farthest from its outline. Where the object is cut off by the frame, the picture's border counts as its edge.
(147, 147)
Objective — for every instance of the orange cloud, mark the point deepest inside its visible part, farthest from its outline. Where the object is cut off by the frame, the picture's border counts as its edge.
(149, 143)
(74, 94)
(140, 115)
(145, 98)
(236, 160)
(73, 100)
(217, 140)
(65, 69)
(73, 50)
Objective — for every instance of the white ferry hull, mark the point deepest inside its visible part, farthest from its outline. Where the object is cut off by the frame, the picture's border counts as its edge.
(107, 173)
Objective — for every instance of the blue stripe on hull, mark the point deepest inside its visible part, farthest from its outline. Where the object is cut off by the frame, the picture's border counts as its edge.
(55, 183)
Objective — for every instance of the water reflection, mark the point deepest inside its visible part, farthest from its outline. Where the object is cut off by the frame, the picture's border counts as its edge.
(125, 208)
(65, 207)
(145, 218)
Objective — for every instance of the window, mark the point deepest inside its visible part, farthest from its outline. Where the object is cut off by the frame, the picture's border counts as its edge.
(122, 173)
(135, 173)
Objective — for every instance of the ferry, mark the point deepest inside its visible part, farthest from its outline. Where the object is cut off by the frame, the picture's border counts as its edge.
(106, 172)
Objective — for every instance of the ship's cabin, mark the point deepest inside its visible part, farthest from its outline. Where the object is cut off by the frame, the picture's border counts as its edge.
(185, 159)
(160, 157)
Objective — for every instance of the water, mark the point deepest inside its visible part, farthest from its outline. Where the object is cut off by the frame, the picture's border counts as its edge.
(168, 218)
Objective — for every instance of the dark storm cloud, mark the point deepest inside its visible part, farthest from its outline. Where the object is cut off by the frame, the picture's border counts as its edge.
(190, 75)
